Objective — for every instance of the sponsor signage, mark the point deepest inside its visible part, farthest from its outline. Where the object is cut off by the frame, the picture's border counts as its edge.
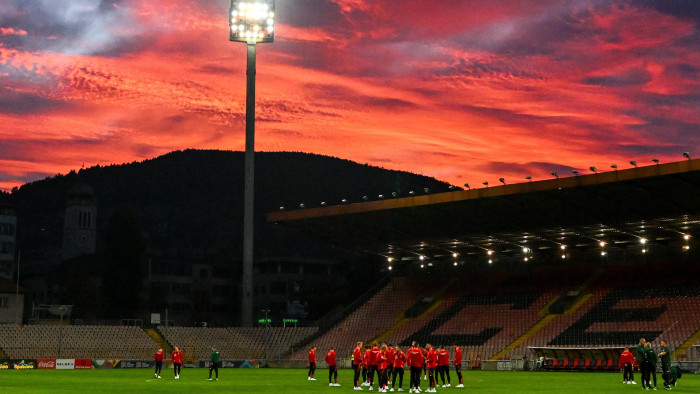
(46, 364)
(83, 363)
(65, 363)
(17, 364)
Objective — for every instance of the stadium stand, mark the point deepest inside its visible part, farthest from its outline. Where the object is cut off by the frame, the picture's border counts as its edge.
(95, 342)
(239, 343)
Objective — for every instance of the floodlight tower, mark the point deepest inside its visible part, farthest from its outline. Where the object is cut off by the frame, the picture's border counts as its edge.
(251, 22)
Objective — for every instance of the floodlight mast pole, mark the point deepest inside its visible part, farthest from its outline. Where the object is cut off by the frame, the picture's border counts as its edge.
(248, 234)
(251, 22)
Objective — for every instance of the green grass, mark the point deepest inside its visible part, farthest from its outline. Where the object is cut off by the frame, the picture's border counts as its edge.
(294, 381)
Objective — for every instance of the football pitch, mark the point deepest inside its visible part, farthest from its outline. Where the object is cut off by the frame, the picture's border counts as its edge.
(295, 381)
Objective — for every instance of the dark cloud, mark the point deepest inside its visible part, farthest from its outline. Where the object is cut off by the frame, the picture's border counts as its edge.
(309, 13)
(75, 27)
(628, 78)
(537, 169)
(683, 9)
(21, 103)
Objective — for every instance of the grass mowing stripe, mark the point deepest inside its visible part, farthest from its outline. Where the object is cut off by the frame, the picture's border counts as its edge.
(295, 381)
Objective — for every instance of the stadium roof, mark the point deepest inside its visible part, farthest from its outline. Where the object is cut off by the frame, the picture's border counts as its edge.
(659, 204)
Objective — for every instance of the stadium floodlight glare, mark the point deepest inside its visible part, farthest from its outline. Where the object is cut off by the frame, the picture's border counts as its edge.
(686, 155)
(390, 259)
(602, 244)
(634, 163)
(344, 201)
(421, 257)
(389, 268)
(302, 205)
(686, 247)
(489, 252)
(252, 22)
(603, 253)
(686, 237)
(490, 261)
(323, 203)
(563, 247)
(642, 241)
(525, 250)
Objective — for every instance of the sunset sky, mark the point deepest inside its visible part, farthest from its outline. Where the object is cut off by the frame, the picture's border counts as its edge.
(460, 90)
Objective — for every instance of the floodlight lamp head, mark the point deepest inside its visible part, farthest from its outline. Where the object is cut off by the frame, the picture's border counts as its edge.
(467, 186)
(655, 160)
(575, 172)
(485, 183)
(686, 155)
(614, 166)
(634, 163)
(502, 180)
(592, 168)
(554, 174)
(529, 178)
(252, 21)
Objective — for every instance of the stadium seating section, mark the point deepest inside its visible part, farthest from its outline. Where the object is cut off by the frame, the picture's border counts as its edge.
(579, 321)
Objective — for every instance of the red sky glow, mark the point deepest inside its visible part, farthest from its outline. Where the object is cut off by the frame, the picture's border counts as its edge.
(464, 91)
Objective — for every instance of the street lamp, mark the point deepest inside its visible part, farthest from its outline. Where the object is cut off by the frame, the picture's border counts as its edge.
(251, 22)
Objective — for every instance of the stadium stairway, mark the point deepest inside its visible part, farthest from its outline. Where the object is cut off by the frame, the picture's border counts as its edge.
(403, 320)
(158, 338)
(683, 349)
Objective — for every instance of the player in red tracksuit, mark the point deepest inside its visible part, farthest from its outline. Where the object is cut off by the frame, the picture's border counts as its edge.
(415, 363)
(381, 367)
(373, 363)
(158, 360)
(177, 361)
(312, 363)
(627, 363)
(443, 364)
(365, 366)
(458, 365)
(432, 364)
(399, 361)
(390, 353)
(332, 368)
(357, 365)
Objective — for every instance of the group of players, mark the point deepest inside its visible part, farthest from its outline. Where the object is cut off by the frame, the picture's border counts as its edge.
(647, 357)
(176, 356)
(388, 362)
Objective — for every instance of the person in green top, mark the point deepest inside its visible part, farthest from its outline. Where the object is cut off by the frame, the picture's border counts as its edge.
(640, 353)
(651, 357)
(214, 362)
(665, 355)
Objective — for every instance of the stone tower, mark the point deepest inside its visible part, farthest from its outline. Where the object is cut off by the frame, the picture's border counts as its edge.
(79, 227)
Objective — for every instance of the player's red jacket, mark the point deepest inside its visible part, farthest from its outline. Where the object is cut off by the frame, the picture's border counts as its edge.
(357, 356)
(443, 357)
(330, 358)
(365, 360)
(177, 356)
(399, 359)
(374, 356)
(381, 361)
(626, 357)
(390, 354)
(415, 357)
(458, 356)
(312, 356)
(159, 355)
(432, 358)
